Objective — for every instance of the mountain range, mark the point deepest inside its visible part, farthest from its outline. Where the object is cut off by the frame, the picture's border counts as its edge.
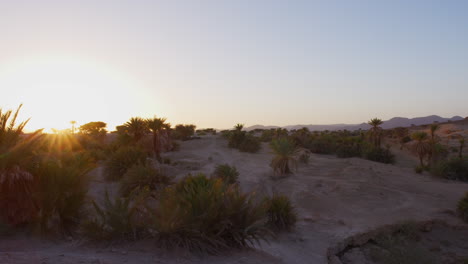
(391, 123)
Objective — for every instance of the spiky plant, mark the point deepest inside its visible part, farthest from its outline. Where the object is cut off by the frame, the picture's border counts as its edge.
(281, 213)
(136, 127)
(156, 125)
(206, 215)
(422, 145)
(227, 173)
(116, 219)
(17, 205)
(375, 131)
(285, 159)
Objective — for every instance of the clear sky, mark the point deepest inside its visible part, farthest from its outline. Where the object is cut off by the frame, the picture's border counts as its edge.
(217, 63)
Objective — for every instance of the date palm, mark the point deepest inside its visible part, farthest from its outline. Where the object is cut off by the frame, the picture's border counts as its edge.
(375, 131)
(156, 126)
(137, 127)
(422, 145)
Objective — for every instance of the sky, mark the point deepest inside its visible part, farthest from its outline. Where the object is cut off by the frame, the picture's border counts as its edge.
(217, 63)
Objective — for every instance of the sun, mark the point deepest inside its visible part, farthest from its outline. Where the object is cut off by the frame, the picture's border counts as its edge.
(58, 89)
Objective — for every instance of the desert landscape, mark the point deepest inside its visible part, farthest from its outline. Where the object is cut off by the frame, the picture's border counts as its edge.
(233, 131)
(343, 207)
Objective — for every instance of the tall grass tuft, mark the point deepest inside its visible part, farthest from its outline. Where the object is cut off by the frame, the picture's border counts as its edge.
(115, 220)
(227, 173)
(206, 215)
(281, 213)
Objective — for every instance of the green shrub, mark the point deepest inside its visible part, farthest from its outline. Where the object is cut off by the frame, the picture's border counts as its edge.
(143, 176)
(462, 208)
(228, 174)
(207, 215)
(62, 191)
(452, 169)
(348, 151)
(281, 213)
(121, 160)
(116, 220)
(383, 155)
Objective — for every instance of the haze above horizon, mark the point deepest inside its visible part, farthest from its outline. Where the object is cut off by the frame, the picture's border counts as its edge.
(218, 63)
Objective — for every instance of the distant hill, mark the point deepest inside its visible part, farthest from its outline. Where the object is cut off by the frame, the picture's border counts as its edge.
(391, 123)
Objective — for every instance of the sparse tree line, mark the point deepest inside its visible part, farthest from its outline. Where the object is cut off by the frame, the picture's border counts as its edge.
(45, 178)
(291, 147)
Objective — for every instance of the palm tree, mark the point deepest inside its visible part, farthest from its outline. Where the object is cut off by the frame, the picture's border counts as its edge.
(375, 131)
(137, 127)
(239, 127)
(422, 146)
(285, 155)
(156, 125)
(432, 129)
(17, 204)
(73, 122)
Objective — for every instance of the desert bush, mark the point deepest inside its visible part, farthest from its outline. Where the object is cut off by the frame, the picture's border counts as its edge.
(143, 176)
(207, 215)
(121, 160)
(281, 213)
(452, 169)
(348, 151)
(228, 174)
(184, 132)
(285, 155)
(115, 220)
(250, 144)
(62, 191)
(383, 155)
(462, 208)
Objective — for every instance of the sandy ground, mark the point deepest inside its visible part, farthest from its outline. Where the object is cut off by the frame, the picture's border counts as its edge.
(335, 198)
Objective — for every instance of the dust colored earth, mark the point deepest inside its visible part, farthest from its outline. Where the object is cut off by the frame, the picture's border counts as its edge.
(335, 199)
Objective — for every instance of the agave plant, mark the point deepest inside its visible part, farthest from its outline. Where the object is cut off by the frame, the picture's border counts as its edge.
(17, 184)
(285, 152)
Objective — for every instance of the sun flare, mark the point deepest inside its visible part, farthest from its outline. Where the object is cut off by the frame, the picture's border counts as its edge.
(58, 89)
